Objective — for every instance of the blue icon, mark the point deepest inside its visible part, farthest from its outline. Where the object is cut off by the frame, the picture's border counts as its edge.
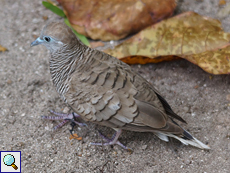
(9, 160)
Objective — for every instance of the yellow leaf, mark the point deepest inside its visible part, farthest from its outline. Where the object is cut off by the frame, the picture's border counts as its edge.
(75, 136)
(222, 2)
(199, 39)
(2, 49)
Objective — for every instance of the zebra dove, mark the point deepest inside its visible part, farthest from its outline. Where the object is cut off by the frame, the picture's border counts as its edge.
(102, 89)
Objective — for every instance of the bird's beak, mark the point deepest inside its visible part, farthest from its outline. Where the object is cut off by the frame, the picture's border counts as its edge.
(36, 42)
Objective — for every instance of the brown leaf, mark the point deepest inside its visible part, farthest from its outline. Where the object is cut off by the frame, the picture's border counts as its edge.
(222, 2)
(45, 18)
(115, 19)
(210, 77)
(2, 49)
(196, 38)
(75, 136)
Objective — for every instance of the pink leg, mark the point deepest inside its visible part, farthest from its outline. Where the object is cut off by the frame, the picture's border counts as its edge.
(114, 140)
(60, 124)
(65, 117)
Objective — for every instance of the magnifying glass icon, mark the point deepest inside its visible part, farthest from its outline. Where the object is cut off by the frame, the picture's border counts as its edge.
(9, 160)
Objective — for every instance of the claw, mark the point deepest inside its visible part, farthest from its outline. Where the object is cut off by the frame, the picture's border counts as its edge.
(114, 140)
(65, 118)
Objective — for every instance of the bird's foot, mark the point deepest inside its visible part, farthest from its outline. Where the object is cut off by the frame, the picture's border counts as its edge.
(114, 140)
(66, 117)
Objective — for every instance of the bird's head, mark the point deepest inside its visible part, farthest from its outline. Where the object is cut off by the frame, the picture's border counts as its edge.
(56, 35)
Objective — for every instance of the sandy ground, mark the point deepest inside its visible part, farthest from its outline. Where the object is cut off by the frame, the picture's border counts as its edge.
(26, 93)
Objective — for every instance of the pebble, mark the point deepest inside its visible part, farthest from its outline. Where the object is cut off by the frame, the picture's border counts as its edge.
(21, 49)
(35, 20)
(193, 114)
(48, 146)
(187, 162)
(47, 128)
(9, 82)
(119, 152)
(186, 109)
(144, 147)
(65, 110)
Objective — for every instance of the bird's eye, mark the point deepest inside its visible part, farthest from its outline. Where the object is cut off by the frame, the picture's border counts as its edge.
(47, 39)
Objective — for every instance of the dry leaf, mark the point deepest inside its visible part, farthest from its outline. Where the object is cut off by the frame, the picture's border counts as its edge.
(199, 39)
(75, 136)
(222, 2)
(2, 49)
(210, 77)
(45, 18)
(115, 19)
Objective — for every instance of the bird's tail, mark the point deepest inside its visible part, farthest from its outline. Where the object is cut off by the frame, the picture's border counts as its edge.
(186, 139)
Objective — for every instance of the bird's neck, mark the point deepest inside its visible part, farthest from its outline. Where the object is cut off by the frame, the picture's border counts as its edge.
(62, 64)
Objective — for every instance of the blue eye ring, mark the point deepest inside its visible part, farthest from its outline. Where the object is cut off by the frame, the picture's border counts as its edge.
(47, 39)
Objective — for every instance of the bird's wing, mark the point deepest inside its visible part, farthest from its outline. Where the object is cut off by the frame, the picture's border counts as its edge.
(104, 96)
(102, 92)
(110, 93)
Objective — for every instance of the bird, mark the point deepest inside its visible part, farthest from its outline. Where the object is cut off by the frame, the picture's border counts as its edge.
(101, 89)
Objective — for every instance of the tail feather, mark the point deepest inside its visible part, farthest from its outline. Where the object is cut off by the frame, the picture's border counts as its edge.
(162, 136)
(187, 139)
